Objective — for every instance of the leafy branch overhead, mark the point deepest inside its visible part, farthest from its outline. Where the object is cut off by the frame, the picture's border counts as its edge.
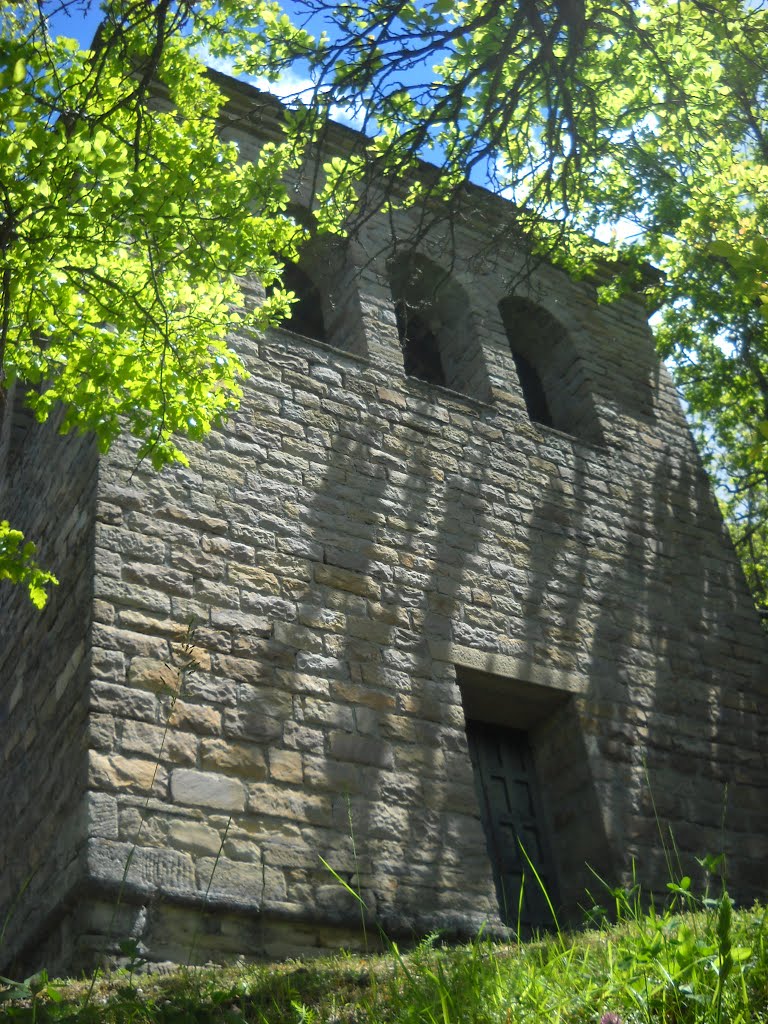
(645, 121)
(126, 221)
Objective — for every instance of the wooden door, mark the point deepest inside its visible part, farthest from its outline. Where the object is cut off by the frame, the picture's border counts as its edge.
(511, 812)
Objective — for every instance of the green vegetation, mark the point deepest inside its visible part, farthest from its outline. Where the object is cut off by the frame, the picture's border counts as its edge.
(123, 228)
(682, 966)
(646, 116)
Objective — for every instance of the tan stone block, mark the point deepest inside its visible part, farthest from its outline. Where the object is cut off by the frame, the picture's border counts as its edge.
(129, 773)
(246, 759)
(344, 579)
(206, 789)
(155, 675)
(286, 766)
(297, 636)
(322, 618)
(253, 578)
(159, 743)
(295, 805)
(355, 694)
(392, 614)
(194, 837)
(391, 397)
(191, 658)
(194, 717)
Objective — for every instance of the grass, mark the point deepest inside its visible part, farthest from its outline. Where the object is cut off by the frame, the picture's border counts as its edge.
(695, 962)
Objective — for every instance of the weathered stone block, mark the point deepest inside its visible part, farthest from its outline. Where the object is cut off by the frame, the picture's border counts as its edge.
(206, 789)
(154, 674)
(252, 725)
(244, 759)
(286, 766)
(147, 867)
(194, 837)
(194, 717)
(232, 879)
(137, 775)
(346, 746)
(343, 579)
(159, 743)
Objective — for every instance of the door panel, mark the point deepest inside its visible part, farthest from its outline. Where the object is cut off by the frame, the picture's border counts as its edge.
(511, 812)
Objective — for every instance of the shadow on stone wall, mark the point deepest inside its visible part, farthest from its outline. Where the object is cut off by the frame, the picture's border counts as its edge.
(394, 525)
(49, 494)
(430, 525)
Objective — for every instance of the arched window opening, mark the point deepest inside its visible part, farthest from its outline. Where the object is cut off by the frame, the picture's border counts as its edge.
(421, 349)
(306, 316)
(16, 422)
(533, 390)
(436, 328)
(552, 378)
(325, 283)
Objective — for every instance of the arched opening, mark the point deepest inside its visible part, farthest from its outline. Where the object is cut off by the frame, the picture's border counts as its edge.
(325, 283)
(533, 390)
(551, 375)
(421, 349)
(435, 327)
(16, 421)
(306, 316)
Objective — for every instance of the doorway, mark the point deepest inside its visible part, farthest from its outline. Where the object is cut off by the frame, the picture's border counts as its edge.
(513, 821)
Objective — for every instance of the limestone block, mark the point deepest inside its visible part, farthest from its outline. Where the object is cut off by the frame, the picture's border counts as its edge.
(195, 717)
(346, 746)
(153, 674)
(147, 867)
(286, 766)
(327, 713)
(333, 668)
(101, 813)
(250, 725)
(101, 732)
(301, 737)
(270, 701)
(233, 879)
(243, 759)
(321, 618)
(129, 642)
(269, 800)
(108, 665)
(206, 789)
(113, 772)
(343, 579)
(194, 837)
(296, 636)
(159, 743)
(124, 702)
(338, 777)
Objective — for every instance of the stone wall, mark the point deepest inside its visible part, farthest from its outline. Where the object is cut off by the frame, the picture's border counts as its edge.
(47, 489)
(364, 558)
(288, 637)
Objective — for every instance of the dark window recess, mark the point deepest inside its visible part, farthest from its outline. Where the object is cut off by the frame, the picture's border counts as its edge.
(23, 421)
(533, 391)
(512, 817)
(307, 312)
(421, 349)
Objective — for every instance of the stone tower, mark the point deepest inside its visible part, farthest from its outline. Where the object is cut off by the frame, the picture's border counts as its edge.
(448, 597)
